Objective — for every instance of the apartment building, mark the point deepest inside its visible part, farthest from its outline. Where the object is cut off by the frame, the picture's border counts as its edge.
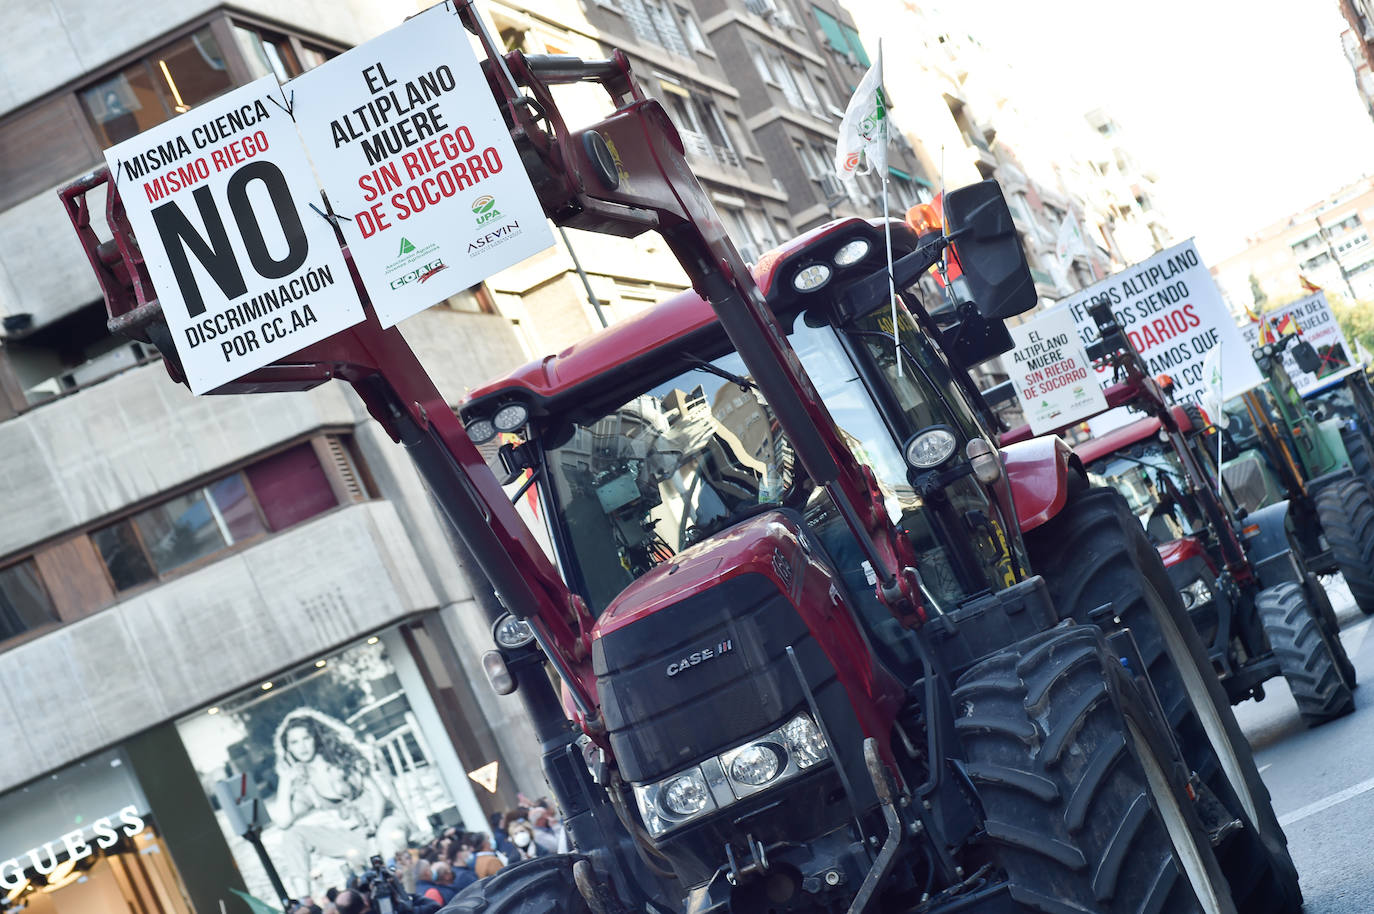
(196, 590)
(1326, 243)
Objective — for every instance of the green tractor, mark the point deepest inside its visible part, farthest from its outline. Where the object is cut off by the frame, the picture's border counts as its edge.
(1348, 397)
(1275, 448)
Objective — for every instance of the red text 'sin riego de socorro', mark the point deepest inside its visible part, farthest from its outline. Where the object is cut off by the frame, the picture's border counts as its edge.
(412, 148)
(245, 271)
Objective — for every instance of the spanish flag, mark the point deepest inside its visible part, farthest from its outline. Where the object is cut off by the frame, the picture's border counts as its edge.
(1288, 326)
(1266, 333)
(1308, 284)
(1254, 318)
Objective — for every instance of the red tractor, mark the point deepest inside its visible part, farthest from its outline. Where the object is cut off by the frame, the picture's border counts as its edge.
(1241, 576)
(793, 604)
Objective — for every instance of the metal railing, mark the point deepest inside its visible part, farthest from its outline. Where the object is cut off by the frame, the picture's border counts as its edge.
(700, 146)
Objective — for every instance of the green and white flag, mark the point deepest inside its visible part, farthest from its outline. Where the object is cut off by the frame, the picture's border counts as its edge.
(862, 148)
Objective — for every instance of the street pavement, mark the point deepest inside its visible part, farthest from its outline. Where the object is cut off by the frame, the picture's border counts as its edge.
(1322, 780)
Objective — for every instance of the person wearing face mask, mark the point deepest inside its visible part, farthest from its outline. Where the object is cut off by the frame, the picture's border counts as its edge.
(522, 836)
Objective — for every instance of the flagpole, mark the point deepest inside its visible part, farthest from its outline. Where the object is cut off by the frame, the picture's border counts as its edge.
(887, 222)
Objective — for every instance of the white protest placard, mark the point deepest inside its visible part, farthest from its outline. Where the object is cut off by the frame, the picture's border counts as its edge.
(1319, 327)
(412, 149)
(220, 201)
(1173, 314)
(1051, 374)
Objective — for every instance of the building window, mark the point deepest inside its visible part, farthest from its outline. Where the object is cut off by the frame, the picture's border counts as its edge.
(653, 22)
(160, 86)
(24, 603)
(269, 496)
(841, 38)
(272, 52)
(692, 31)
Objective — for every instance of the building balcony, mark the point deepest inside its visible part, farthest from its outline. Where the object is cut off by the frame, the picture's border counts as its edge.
(177, 646)
(700, 147)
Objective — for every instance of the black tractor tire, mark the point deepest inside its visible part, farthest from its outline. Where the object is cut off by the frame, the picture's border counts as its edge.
(541, 885)
(1346, 511)
(1085, 799)
(1094, 553)
(1317, 596)
(1306, 653)
(1357, 446)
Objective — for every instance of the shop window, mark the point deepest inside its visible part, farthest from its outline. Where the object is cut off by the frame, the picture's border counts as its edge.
(161, 85)
(336, 751)
(24, 603)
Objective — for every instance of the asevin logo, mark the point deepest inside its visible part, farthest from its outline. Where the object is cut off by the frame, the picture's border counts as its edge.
(484, 208)
(494, 237)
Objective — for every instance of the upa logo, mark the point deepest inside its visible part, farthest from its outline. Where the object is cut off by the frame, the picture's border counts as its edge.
(484, 208)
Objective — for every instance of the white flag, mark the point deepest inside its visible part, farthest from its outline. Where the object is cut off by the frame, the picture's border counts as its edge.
(1213, 403)
(862, 148)
(1070, 240)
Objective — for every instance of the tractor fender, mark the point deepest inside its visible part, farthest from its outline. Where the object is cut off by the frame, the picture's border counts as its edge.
(1267, 536)
(1039, 472)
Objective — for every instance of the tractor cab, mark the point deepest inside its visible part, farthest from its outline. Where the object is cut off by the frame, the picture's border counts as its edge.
(1146, 470)
(651, 436)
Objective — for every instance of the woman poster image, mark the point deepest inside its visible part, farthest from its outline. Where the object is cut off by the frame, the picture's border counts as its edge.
(329, 805)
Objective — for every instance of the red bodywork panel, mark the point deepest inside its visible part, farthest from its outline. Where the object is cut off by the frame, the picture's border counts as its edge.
(1038, 471)
(1096, 448)
(590, 359)
(771, 545)
(1181, 550)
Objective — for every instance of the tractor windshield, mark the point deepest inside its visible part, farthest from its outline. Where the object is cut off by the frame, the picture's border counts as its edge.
(666, 468)
(696, 453)
(1149, 475)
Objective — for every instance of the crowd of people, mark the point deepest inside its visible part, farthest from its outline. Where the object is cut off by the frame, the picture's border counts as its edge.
(430, 875)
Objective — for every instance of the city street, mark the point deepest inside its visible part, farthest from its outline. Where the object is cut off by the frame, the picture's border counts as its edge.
(1321, 780)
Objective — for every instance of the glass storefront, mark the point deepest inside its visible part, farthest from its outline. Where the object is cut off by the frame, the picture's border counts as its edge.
(348, 759)
(83, 841)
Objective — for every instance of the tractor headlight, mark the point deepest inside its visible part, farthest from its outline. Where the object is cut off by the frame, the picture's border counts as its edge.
(852, 252)
(811, 278)
(1195, 594)
(510, 417)
(757, 765)
(930, 448)
(481, 431)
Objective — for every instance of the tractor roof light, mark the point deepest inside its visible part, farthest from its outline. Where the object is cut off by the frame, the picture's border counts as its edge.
(510, 417)
(852, 252)
(811, 278)
(480, 430)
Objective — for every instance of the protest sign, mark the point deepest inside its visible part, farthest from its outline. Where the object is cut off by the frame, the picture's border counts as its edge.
(1319, 327)
(1173, 314)
(245, 271)
(1050, 373)
(412, 149)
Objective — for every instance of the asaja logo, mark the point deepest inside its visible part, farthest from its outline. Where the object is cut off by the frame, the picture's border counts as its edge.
(484, 208)
(406, 247)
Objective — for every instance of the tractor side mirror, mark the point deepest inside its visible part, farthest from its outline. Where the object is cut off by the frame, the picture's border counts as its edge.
(1306, 357)
(989, 250)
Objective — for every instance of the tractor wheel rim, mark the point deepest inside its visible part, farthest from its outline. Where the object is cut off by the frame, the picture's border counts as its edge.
(1181, 836)
(1207, 714)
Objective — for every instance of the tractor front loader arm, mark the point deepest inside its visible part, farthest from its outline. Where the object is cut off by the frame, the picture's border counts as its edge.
(624, 175)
